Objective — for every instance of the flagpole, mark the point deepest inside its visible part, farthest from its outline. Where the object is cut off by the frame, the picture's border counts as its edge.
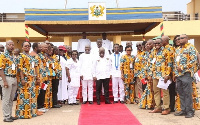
(117, 3)
(65, 4)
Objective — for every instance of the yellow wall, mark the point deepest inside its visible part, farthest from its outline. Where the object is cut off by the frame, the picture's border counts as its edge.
(16, 30)
(192, 8)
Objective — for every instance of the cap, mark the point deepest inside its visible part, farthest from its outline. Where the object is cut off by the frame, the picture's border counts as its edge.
(62, 48)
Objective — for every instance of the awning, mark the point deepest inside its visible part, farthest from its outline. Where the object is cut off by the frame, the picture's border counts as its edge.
(69, 22)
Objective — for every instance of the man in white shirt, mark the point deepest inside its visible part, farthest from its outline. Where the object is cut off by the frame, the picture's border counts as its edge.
(106, 43)
(95, 53)
(85, 60)
(95, 50)
(101, 74)
(82, 43)
(116, 75)
(134, 52)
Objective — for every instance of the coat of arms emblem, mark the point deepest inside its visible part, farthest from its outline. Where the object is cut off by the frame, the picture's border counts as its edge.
(97, 10)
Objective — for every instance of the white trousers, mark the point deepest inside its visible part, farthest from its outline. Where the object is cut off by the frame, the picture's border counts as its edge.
(117, 81)
(72, 92)
(87, 84)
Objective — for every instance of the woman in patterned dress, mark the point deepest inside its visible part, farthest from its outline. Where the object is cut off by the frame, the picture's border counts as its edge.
(48, 103)
(146, 101)
(127, 75)
(26, 101)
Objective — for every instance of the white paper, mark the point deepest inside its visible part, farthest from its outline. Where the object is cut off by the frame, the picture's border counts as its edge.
(53, 65)
(13, 66)
(45, 86)
(131, 65)
(153, 61)
(32, 64)
(197, 77)
(47, 64)
(177, 58)
(162, 84)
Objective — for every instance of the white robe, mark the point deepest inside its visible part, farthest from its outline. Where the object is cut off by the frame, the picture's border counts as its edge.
(63, 84)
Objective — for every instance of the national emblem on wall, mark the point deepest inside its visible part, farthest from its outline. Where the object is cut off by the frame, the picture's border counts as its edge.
(97, 11)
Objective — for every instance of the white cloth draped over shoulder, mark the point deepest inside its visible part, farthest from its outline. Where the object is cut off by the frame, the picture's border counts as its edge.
(62, 88)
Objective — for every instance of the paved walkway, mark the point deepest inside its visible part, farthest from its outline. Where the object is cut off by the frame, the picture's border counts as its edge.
(68, 115)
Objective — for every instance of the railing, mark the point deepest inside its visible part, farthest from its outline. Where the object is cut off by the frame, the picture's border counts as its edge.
(166, 17)
(11, 17)
(178, 17)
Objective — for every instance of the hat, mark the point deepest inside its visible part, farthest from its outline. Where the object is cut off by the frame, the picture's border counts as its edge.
(62, 48)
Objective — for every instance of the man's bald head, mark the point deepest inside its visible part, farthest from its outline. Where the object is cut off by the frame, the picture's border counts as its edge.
(44, 47)
(10, 45)
(101, 52)
(165, 40)
(99, 43)
(87, 49)
(150, 44)
(129, 43)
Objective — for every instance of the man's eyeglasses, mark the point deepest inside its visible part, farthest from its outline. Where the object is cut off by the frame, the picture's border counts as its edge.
(138, 45)
(177, 39)
(182, 37)
(74, 54)
(128, 50)
(157, 43)
(27, 46)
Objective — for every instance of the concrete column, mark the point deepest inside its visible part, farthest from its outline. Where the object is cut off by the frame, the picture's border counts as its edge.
(117, 39)
(68, 41)
(197, 43)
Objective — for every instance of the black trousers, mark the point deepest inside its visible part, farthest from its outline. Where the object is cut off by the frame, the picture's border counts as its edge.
(55, 83)
(105, 83)
(41, 98)
(184, 89)
(172, 94)
(1, 92)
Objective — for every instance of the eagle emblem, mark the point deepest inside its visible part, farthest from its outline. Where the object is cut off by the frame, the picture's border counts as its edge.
(97, 10)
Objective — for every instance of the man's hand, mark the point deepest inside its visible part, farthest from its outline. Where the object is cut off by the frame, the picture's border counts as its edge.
(60, 78)
(174, 78)
(38, 82)
(94, 78)
(69, 79)
(150, 79)
(81, 77)
(5, 84)
(166, 79)
(122, 77)
(110, 76)
(179, 69)
(23, 82)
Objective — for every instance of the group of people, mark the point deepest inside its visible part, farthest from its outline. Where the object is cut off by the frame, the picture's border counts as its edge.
(51, 74)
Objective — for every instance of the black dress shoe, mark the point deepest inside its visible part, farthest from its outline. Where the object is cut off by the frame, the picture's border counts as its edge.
(115, 102)
(181, 113)
(76, 103)
(108, 102)
(90, 102)
(189, 115)
(71, 104)
(8, 120)
(98, 102)
(56, 106)
(122, 102)
(13, 118)
(84, 102)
